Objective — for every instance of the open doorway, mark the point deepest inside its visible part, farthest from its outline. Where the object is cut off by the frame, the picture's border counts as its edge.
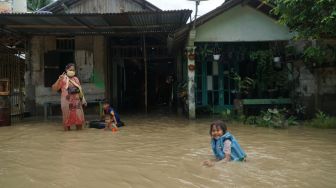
(160, 83)
(159, 89)
(140, 73)
(134, 94)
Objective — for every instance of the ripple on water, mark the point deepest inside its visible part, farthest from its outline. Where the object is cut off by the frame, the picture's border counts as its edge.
(162, 151)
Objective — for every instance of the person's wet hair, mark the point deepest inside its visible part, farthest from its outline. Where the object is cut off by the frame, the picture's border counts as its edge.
(219, 125)
(105, 101)
(69, 65)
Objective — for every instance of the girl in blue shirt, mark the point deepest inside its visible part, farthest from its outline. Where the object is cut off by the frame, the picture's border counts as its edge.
(224, 145)
(111, 118)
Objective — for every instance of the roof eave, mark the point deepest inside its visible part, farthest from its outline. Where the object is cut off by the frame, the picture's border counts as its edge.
(56, 6)
(224, 7)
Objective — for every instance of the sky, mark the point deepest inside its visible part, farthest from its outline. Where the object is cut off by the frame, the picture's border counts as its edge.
(204, 7)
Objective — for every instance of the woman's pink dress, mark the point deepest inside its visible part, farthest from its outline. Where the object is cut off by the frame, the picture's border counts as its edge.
(71, 104)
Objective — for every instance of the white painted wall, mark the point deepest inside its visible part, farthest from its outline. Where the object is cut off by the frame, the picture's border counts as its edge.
(19, 6)
(242, 23)
(13, 6)
(5, 6)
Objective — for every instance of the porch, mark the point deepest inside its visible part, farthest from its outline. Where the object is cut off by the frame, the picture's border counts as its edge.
(106, 48)
(246, 75)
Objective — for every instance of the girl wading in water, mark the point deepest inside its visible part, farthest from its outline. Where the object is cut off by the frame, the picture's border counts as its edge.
(72, 98)
(224, 145)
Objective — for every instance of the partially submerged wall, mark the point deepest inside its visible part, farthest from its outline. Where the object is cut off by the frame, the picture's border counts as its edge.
(316, 86)
(89, 56)
(318, 90)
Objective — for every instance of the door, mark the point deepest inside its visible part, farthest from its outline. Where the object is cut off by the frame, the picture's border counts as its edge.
(214, 86)
(51, 67)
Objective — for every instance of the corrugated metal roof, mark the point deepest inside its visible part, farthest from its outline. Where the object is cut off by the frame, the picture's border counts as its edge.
(56, 6)
(130, 22)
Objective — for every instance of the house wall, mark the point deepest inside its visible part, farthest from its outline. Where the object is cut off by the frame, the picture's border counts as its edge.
(6, 6)
(19, 6)
(242, 23)
(13, 6)
(105, 6)
(317, 88)
(90, 57)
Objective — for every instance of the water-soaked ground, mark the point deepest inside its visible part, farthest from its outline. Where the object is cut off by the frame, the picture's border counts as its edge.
(158, 151)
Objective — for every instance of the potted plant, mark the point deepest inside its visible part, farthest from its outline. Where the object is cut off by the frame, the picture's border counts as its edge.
(182, 94)
(264, 72)
(191, 56)
(216, 53)
(277, 62)
(244, 85)
(203, 52)
(191, 67)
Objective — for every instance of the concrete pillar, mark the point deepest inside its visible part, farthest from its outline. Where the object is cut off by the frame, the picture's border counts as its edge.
(191, 75)
(191, 84)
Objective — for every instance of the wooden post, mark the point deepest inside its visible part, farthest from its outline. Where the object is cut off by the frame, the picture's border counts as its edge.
(18, 62)
(145, 63)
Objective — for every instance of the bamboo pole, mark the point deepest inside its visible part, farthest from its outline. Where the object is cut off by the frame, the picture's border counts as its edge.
(18, 62)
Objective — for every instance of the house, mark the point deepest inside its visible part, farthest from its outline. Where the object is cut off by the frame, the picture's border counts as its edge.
(233, 31)
(119, 47)
(226, 65)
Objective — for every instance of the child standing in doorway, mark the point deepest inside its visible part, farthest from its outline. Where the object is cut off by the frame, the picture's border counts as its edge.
(224, 145)
(111, 118)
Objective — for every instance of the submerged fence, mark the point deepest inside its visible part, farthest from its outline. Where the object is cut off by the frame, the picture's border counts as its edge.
(12, 67)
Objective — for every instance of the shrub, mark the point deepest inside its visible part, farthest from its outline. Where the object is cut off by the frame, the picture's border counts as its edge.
(272, 118)
(323, 121)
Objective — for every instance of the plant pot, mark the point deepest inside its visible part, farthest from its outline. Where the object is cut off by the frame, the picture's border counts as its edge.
(277, 63)
(276, 59)
(216, 57)
(191, 56)
(191, 67)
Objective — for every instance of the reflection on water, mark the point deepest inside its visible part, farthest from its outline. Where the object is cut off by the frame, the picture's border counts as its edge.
(162, 152)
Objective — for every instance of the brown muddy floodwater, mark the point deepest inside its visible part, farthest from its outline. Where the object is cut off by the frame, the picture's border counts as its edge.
(162, 152)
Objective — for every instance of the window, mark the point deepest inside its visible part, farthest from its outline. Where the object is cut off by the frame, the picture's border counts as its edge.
(67, 43)
(55, 61)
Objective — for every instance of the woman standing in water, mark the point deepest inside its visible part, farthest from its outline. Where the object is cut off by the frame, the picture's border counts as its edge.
(72, 98)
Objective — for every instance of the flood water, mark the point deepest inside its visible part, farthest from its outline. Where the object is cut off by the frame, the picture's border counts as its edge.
(158, 151)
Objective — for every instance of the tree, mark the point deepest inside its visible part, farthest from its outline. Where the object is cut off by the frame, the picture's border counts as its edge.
(313, 19)
(310, 19)
(34, 5)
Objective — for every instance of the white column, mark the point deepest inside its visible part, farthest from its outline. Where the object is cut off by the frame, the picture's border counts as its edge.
(191, 76)
(191, 85)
